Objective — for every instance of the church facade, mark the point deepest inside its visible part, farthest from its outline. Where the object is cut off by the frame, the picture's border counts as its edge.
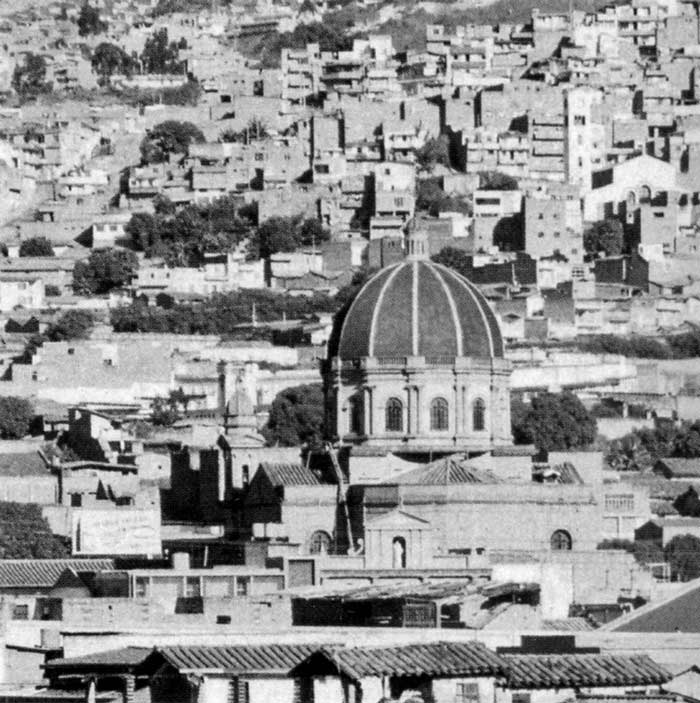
(418, 390)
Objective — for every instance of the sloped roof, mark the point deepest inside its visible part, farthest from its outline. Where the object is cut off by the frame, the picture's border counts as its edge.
(43, 573)
(281, 474)
(447, 471)
(23, 464)
(575, 624)
(238, 659)
(682, 468)
(434, 659)
(116, 658)
(583, 670)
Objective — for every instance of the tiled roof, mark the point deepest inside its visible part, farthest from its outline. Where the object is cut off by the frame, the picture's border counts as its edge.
(682, 468)
(43, 573)
(281, 474)
(117, 658)
(435, 659)
(238, 659)
(448, 471)
(23, 464)
(583, 670)
(568, 625)
(568, 473)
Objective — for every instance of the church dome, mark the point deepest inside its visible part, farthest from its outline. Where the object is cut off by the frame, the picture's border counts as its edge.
(419, 308)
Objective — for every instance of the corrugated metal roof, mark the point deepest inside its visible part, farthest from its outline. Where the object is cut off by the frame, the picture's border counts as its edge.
(589, 670)
(123, 657)
(43, 573)
(435, 659)
(281, 474)
(239, 659)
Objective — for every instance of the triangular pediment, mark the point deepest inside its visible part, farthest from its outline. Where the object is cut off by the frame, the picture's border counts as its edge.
(398, 520)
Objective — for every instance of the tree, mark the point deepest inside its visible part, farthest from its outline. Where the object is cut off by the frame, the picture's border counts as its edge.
(431, 198)
(109, 59)
(296, 416)
(73, 324)
(36, 246)
(688, 504)
(159, 55)
(104, 270)
(277, 234)
(434, 151)
(605, 236)
(495, 180)
(553, 422)
(683, 555)
(164, 412)
(89, 21)
(25, 534)
(687, 442)
(629, 454)
(454, 258)
(29, 77)
(312, 232)
(169, 137)
(16, 415)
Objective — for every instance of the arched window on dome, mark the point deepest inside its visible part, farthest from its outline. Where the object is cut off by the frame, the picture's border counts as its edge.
(479, 415)
(357, 416)
(439, 419)
(320, 543)
(560, 541)
(394, 415)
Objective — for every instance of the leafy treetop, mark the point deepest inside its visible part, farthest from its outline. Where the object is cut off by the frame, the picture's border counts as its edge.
(553, 422)
(296, 416)
(169, 137)
(36, 246)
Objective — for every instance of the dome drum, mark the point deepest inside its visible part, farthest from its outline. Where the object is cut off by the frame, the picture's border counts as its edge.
(419, 362)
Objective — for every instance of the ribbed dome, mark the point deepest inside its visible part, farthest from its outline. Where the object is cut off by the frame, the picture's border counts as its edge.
(419, 308)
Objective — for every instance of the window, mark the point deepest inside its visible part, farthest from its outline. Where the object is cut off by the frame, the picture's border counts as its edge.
(141, 587)
(394, 415)
(20, 612)
(467, 693)
(76, 500)
(520, 697)
(192, 587)
(479, 415)
(242, 585)
(540, 235)
(245, 475)
(357, 420)
(579, 120)
(320, 543)
(438, 415)
(560, 541)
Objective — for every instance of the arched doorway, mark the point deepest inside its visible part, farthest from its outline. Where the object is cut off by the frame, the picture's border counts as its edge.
(560, 541)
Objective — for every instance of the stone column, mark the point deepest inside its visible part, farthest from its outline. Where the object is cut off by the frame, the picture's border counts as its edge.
(418, 392)
(129, 688)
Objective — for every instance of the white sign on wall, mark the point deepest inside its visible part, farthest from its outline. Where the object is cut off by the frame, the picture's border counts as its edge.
(115, 532)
